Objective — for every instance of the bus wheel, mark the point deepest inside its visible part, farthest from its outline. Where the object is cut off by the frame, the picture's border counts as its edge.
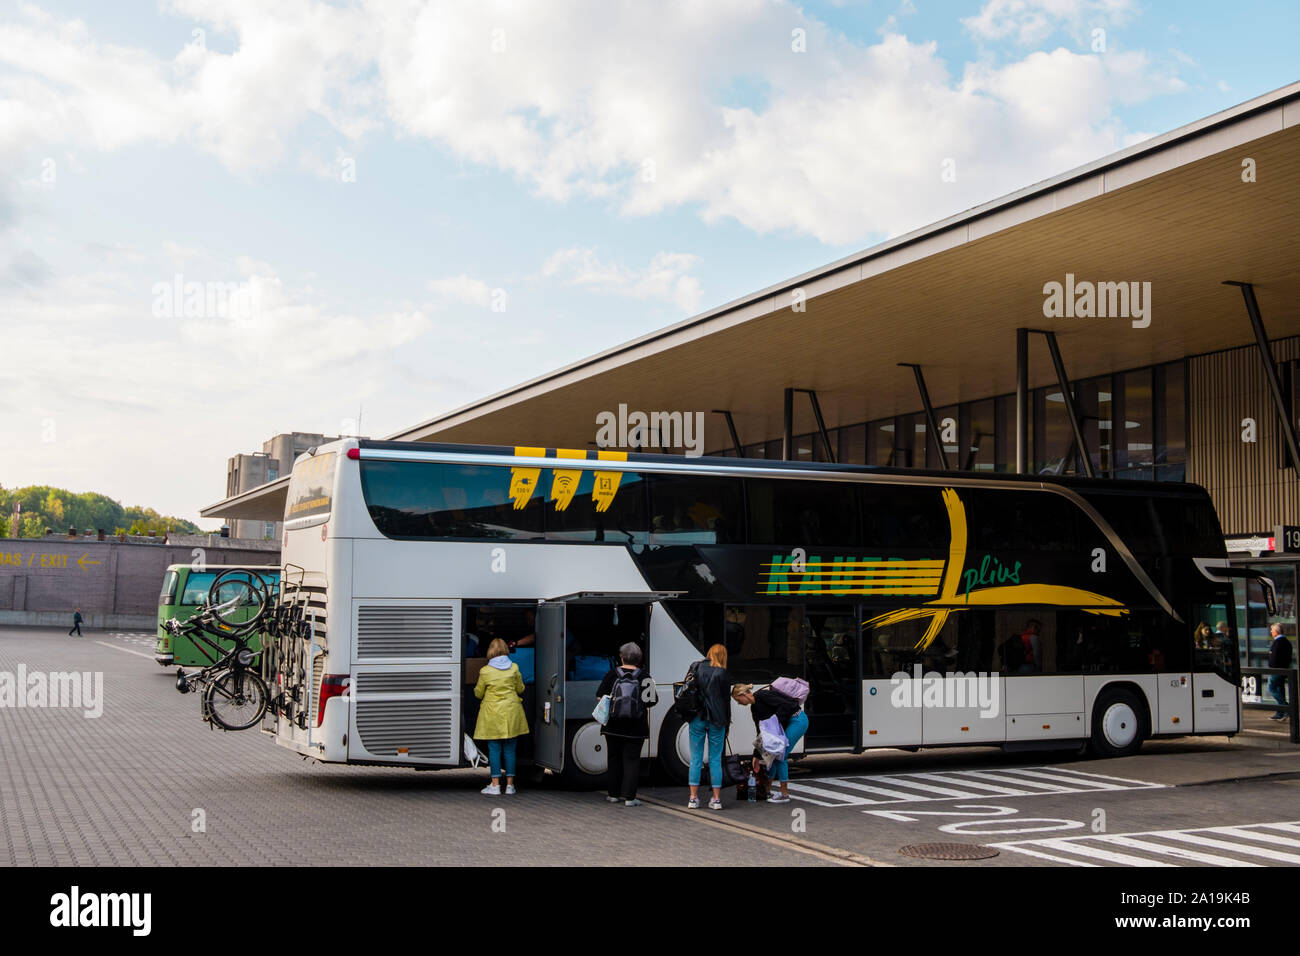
(584, 755)
(1119, 723)
(675, 748)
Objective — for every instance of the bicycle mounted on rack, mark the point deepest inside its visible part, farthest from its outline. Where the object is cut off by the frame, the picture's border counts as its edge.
(236, 694)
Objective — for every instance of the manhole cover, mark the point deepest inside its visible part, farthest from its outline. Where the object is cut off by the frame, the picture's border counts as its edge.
(948, 851)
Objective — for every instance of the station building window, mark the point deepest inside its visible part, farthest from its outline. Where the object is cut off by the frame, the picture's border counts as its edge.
(1134, 424)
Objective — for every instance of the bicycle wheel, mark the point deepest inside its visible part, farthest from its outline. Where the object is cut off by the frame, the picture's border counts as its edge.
(239, 600)
(236, 699)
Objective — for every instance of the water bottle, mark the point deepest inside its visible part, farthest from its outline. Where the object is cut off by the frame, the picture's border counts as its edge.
(753, 788)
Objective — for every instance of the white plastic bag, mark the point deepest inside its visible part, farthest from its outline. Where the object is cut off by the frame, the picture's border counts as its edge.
(601, 712)
(472, 752)
(772, 740)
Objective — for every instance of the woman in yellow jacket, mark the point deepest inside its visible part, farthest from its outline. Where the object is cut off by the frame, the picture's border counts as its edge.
(501, 717)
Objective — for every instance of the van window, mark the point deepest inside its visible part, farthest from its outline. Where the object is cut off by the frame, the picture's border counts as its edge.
(168, 593)
(197, 586)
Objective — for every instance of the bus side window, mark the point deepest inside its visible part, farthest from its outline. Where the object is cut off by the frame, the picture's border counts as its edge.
(696, 510)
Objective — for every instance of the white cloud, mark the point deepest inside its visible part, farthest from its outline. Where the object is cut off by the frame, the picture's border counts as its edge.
(621, 104)
(1032, 21)
(664, 279)
(464, 289)
(215, 383)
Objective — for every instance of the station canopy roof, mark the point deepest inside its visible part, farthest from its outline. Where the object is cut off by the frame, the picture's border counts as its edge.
(1173, 211)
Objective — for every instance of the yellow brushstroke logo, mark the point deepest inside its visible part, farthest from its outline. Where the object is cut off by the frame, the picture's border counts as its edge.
(1056, 594)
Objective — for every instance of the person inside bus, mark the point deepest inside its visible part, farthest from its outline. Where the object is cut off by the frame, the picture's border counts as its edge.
(764, 704)
(710, 723)
(501, 721)
(1033, 660)
(631, 690)
(1203, 636)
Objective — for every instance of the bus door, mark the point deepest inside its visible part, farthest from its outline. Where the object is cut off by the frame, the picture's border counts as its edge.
(548, 721)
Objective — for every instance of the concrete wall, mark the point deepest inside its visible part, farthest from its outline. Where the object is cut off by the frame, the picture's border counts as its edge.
(115, 583)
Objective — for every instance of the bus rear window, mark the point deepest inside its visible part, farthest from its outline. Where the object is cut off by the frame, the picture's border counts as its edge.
(310, 487)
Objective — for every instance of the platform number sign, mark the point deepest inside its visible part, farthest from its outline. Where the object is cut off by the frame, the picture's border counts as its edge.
(1250, 689)
(1286, 539)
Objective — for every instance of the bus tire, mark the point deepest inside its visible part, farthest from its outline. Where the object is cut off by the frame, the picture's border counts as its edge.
(674, 748)
(1119, 723)
(584, 755)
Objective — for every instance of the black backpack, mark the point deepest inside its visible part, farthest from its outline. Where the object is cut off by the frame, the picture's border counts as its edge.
(688, 702)
(625, 703)
(1013, 654)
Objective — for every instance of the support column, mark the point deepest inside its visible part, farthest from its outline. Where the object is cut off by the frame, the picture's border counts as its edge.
(787, 436)
(1067, 396)
(731, 428)
(1270, 370)
(931, 422)
(1022, 401)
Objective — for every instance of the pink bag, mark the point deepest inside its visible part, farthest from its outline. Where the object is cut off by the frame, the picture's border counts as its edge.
(795, 687)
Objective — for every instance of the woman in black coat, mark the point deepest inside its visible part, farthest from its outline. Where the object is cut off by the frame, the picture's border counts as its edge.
(632, 694)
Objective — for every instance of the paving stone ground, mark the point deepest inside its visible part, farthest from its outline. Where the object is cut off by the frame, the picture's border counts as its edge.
(121, 790)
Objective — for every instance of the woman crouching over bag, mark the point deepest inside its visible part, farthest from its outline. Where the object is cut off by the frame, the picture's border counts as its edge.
(786, 705)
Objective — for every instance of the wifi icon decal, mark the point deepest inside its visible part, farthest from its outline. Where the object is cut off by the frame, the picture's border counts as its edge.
(563, 485)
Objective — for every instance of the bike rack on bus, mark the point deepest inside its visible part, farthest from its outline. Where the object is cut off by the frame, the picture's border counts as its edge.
(312, 651)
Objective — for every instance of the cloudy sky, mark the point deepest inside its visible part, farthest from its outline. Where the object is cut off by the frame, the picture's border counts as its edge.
(224, 219)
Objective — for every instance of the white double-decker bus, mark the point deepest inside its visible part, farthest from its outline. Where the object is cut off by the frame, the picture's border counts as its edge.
(1095, 612)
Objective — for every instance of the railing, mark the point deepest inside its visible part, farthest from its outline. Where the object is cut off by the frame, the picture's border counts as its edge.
(1254, 685)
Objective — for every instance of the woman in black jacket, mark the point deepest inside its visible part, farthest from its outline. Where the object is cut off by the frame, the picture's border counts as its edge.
(770, 702)
(632, 694)
(710, 723)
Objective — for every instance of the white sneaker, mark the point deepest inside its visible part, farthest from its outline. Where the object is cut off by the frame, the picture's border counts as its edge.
(693, 803)
(510, 790)
(634, 802)
(778, 798)
(492, 790)
(715, 804)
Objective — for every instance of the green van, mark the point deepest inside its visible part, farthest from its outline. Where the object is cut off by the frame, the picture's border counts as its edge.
(184, 590)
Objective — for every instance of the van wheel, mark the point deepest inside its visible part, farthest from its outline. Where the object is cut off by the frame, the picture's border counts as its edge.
(675, 748)
(1119, 724)
(585, 755)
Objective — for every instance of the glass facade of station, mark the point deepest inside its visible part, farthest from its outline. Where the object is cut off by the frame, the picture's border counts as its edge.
(1134, 424)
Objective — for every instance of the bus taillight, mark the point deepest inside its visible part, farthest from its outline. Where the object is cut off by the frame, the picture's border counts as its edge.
(331, 686)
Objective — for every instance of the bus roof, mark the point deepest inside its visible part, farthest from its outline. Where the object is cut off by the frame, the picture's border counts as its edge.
(715, 463)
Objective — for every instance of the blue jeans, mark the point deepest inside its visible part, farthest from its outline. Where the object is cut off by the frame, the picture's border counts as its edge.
(494, 756)
(793, 734)
(699, 729)
(1277, 687)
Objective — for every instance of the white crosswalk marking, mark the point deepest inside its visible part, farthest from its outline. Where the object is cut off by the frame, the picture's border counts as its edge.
(1234, 845)
(872, 790)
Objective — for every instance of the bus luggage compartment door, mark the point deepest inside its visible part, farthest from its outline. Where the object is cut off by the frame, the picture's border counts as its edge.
(405, 682)
(548, 721)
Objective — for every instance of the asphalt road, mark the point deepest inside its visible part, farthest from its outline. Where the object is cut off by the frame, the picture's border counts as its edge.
(147, 783)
